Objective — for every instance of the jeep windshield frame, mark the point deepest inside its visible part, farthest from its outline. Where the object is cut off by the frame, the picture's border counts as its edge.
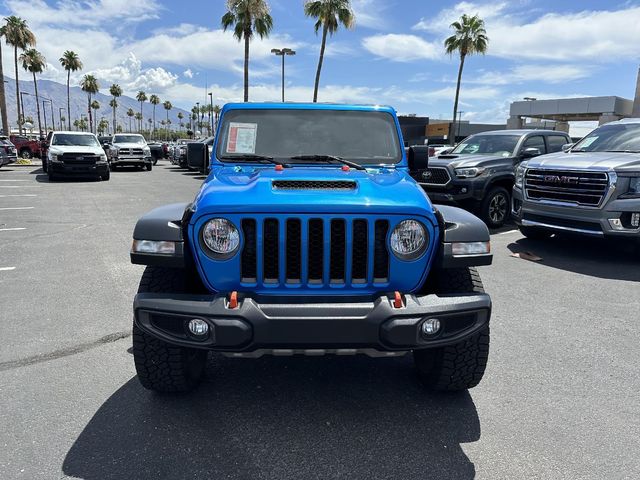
(620, 138)
(364, 137)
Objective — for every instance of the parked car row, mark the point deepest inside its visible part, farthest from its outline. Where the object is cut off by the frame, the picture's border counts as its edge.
(7, 151)
(193, 154)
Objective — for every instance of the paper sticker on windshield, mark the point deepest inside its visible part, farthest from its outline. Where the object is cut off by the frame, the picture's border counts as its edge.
(242, 137)
(587, 141)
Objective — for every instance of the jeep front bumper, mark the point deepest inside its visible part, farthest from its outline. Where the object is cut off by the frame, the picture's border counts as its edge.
(311, 324)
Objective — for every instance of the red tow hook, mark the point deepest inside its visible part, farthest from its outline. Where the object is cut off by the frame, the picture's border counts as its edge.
(345, 168)
(279, 168)
(232, 302)
(397, 300)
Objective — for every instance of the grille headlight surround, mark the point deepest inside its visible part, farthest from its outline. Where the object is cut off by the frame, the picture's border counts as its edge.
(220, 238)
(409, 240)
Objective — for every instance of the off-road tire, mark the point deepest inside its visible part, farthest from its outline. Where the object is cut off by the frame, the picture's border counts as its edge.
(163, 367)
(149, 167)
(496, 198)
(462, 365)
(535, 233)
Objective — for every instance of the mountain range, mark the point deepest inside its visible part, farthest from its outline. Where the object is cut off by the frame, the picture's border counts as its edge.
(57, 92)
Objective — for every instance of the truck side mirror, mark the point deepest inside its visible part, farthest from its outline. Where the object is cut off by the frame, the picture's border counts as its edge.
(530, 152)
(567, 146)
(418, 157)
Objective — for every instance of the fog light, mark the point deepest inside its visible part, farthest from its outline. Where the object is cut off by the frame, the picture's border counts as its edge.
(635, 219)
(198, 327)
(430, 326)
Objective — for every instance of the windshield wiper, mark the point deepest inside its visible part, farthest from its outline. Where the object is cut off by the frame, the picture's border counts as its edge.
(623, 151)
(329, 158)
(246, 157)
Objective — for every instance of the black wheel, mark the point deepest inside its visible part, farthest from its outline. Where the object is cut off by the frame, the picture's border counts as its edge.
(460, 366)
(26, 153)
(52, 177)
(161, 366)
(44, 165)
(106, 176)
(535, 233)
(112, 167)
(149, 167)
(495, 207)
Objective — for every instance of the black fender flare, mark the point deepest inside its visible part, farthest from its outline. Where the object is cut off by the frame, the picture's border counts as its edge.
(460, 226)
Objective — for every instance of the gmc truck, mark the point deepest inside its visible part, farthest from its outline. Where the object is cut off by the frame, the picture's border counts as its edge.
(309, 237)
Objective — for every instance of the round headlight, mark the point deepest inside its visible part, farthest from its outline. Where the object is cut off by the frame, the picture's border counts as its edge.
(408, 239)
(221, 236)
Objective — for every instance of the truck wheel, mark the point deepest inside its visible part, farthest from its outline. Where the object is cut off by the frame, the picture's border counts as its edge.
(460, 366)
(52, 177)
(26, 153)
(535, 233)
(495, 207)
(44, 165)
(161, 366)
(106, 176)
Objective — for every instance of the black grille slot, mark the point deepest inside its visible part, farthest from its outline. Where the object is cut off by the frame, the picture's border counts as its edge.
(294, 252)
(79, 158)
(314, 185)
(360, 252)
(316, 250)
(579, 187)
(249, 260)
(381, 254)
(338, 248)
(434, 176)
(270, 250)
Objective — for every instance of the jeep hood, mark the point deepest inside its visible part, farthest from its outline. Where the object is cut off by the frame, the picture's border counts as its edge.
(588, 161)
(251, 189)
(465, 161)
(60, 149)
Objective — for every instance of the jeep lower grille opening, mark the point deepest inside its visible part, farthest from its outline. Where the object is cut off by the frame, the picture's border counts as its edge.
(381, 254)
(314, 185)
(567, 186)
(270, 251)
(249, 259)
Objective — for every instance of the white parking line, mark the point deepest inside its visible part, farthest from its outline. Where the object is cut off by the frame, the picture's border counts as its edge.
(16, 208)
(19, 186)
(16, 180)
(508, 232)
(19, 195)
(6, 269)
(12, 229)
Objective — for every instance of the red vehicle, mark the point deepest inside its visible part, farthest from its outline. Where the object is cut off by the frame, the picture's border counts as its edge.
(26, 147)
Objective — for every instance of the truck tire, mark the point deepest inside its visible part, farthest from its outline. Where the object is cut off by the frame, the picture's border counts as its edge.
(495, 207)
(44, 165)
(163, 367)
(462, 365)
(106, 176)
(535, 233)
(149, 167)
(26, 153)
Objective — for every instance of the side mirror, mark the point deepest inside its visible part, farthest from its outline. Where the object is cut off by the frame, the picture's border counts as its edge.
(418, 157)
(530, 152)
(567, 146)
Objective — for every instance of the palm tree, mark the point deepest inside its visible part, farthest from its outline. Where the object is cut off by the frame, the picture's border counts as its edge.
(139, 119)
(180, 117)
(82, 124)
(71, 63)
(33, 61)
(329, 14)
(76, 123)
(130, 114)
(103, 126)
(469, 38)
(95, 106)
(216, 111)
(3, 99)
(247, 17)
(90, 85)
(154, 100)
(17, 34)
(115, 92)
(141, 97)
(167, 106)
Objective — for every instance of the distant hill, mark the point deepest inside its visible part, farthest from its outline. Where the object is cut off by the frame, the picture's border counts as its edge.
(58, 93)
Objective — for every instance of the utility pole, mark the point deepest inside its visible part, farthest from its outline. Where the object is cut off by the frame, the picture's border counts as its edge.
(283, 52)
(211, 111)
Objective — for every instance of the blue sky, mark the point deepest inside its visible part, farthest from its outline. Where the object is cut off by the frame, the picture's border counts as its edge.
(542, 48)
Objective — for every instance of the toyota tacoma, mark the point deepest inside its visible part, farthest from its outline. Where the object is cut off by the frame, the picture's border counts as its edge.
(310, 237)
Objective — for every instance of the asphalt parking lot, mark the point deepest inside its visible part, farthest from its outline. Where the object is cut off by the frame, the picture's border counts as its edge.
(559, 400)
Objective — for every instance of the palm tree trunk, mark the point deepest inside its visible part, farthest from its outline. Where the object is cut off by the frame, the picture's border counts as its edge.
(141, 119)
(154, 120)
(320, 60)
(15, 63)
(3, 100)
(35, 88)
(452, 132)
(114, 115)
(89, 112)
(246, 64)
(68, 99)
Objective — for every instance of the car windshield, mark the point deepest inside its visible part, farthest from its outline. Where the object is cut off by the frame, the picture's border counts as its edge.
(482, 144)
(611, 138)
(67, 139)
(364, 137)
(128, 139)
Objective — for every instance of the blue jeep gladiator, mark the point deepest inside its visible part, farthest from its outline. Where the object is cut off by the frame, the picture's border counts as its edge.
(310, 237)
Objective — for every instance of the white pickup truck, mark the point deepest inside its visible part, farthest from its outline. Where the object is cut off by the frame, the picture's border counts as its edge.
(129, 149)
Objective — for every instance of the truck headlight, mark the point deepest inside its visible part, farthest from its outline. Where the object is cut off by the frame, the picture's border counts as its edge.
(221, 237)
(55, 158)
(520, 175)
(634, 185)
(469, 172)
(103, 158)
(408, 240)
(147, 151)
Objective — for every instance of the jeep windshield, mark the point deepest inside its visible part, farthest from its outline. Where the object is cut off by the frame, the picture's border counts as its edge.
(619, 137)
(308, 136)
(486, 144)
(74, 140)
(128, 139)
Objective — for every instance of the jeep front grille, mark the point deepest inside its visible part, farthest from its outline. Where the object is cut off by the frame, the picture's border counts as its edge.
(434, 176)
(313, 185)
(567, 186)
(315, 251)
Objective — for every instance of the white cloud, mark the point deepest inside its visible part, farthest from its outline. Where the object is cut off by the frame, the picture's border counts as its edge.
(402, 48)
(369, 13)
(188, 73)
(440, 24)
(532, 73)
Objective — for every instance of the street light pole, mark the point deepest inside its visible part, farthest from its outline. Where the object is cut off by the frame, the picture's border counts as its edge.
(282, 52)
(211, 112)
(21, 117)
(53, 122)
(44, 111)
(459, 121)
(60, 115)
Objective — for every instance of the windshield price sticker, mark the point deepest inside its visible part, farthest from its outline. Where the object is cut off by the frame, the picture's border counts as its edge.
(242, 138)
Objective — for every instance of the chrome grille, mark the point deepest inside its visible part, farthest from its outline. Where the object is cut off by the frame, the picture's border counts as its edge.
(130, 151)
(567, 186)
